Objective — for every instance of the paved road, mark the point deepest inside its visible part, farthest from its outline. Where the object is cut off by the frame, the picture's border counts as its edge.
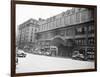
(38, 63)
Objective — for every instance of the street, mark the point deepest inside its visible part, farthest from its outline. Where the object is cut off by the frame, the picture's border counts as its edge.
(39, 63)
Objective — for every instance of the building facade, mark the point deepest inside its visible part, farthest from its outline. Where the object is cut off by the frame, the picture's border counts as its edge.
(26, 33)
(69, 31)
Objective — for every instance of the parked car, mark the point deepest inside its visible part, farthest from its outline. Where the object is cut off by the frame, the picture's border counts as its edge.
(47, 53)
(40, 53)
(36, 51)
(76, 55)
(21, 53)
(26, 49)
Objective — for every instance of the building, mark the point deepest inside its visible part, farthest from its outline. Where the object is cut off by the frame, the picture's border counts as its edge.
(26, 33)
(69, 31)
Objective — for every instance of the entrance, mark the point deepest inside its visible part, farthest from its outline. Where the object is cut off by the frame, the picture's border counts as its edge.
(63, 49)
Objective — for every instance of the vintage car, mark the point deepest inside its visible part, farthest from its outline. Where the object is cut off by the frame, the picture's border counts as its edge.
(26, 49)
(37, 51)
(76, 55)
(21, 53)
(47, 53)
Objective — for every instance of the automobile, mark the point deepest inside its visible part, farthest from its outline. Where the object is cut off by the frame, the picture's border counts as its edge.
(21, 53)
(36, 51)
(47, 53)
(76, 55)
(26, 48)
(39, 52)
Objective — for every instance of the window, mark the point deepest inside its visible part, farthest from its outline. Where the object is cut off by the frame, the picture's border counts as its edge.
(66, 20)
(90, 14)
(62, 21)
(81, 30)
(73, 11)
(56, 32)
(83, 16)
(78, 30)
(83, 42)
(47, 26)
(72, 19)
(41, 28)
(91, 41)
(50, 25)
(69, 32)
(58, 22)
(54, 22)
(62, 32)
(77, 17)
(80, 41)
(91, 28)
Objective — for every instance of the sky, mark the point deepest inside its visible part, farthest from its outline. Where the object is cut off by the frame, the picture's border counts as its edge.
(25, 12)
